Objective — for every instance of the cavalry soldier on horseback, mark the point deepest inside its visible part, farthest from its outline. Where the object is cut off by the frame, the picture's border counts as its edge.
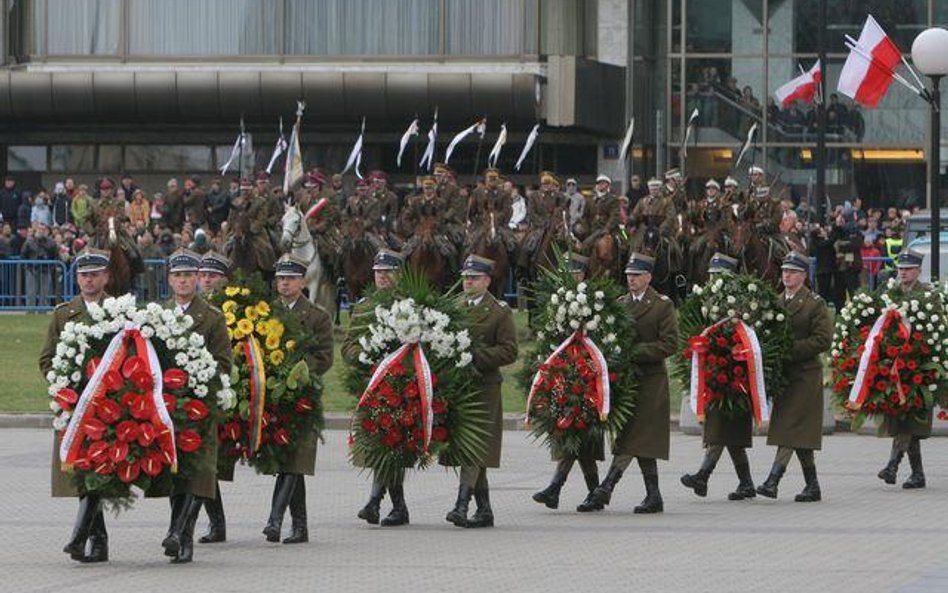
(674, 188)
(542, 206)
(601, 215)
(97, 226)
(319, 206)
(387, 203)
(654, 210)
(451, 194)
(490, 199)
(710, 213)
(249, 216)
(427, 210)
(362, 208)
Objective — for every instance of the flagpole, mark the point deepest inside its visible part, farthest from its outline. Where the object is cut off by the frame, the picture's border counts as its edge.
(477, 157)
(820, 160)
(240, 150)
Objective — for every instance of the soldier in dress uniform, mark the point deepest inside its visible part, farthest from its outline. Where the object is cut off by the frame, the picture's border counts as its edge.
(494, 345)
(601, 214)
(674, 188)
(323, 216)
(711, 212)
(654, 210)
(386, 266)
(189, 493)
(491, 198)
(111, 206)
(907, 433)
(542, 206)
(646, 436)
(593, 451)
(251, 207)
(194, 201)
(290, 487)
(721, 430)
(213, 275)
(360, 206)
(387, 203)
(92, 275)
(424, 210)
(796, 423)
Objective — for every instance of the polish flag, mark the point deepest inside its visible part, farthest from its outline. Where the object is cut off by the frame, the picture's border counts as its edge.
(863, 80)
(802, 87)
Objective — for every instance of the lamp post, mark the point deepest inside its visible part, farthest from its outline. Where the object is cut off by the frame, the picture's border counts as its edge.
(930, 56)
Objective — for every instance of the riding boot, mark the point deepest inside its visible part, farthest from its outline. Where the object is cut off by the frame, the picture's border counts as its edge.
(917, 479)
(890, 472)
(601, 494)
(399, 513)
(652, 503)
(176, 502)
(88, 509)
(299, 532)
(282, 492)
(811, 492)
(98, 541)
(458, 515)
(182, 506)
(745, 486)
(483, 516)
(698, 481)
(591, 477)
(769, 487)
(550, 496)
(217, 525)
(186, 536)
(370, 512)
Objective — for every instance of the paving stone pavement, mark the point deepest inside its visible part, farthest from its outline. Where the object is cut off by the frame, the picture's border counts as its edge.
(864, 536)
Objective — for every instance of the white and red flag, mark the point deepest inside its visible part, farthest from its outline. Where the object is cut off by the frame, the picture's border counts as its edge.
(870, 68)
(803, 87)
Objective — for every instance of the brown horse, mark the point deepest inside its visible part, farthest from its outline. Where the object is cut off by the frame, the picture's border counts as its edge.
(714, 239)
(606, 258)
(668, 276)
(241, 249)
(557, 238)
(122, 265)
(757, 255)
(426, 258)
(357, 256)
(491, 245)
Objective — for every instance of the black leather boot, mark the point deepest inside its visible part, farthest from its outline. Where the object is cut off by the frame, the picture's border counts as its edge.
(399, 512)
(282, 492)
(550, 496)
(769, 487)
(458, 515)
(591, 476)
(811, 492)
(483, 516)
(652, 503)
(370, 512)
(300, 530)
(182, 504)
(88, 508)
(186, 536)
(217, 524)
(745, 486)
(889, 473)
(602, 494)
(98, 541)
(917, 479)
(698, 481)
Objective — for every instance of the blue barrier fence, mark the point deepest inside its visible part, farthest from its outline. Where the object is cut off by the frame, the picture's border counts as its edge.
(39, 285)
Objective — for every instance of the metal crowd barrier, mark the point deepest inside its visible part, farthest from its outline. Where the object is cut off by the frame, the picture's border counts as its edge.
(39, 285)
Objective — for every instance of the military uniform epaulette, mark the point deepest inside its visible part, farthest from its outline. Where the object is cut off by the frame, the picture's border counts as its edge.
(663, 297)
(60, 306)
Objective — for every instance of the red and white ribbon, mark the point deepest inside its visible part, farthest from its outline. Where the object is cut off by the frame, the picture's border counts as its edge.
(422, 378)
(95, 389)
(755, 370)
(864, 380)
(600, 366)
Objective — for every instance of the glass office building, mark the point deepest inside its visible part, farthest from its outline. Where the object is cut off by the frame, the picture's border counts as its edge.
(157, 87)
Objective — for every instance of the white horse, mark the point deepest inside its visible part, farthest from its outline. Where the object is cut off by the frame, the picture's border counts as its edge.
(297, 239)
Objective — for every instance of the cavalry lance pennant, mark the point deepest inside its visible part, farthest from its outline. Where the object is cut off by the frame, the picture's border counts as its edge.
(355, 157)
(428, 158)
(479, 127)
(494, 155)
(531, 140)
(411, 131)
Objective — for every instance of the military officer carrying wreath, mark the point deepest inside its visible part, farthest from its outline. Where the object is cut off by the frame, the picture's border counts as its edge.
(796, 423)
(92, 274)
(189, 494)
(907, 433)
(721, 430)
(494, 345)
(290, 488)
(646, 436)
(385, 267)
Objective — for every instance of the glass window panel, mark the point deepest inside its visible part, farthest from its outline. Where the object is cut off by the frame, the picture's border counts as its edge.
(902, 21)
(26, 158)
(487, 27)
(728, 95)
(202, 27)
(72, 158)
(167, 158)
(676, 28)
(77, 27)
(110, 157)
(362, 27)
(562, 26)
(729, 26)
(649, 22)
